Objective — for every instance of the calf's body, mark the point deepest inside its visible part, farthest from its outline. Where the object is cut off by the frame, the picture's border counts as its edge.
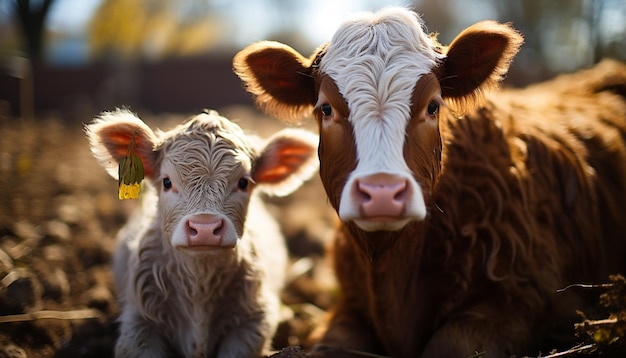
(200, 265)
(457, 230)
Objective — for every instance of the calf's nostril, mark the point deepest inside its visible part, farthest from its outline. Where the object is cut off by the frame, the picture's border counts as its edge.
(218, 229)
(205, 230)
(191, 231)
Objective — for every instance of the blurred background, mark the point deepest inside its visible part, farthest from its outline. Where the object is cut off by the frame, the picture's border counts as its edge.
(81, 57)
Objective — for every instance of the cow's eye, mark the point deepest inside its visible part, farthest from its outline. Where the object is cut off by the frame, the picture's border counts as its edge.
(433, 108)
(326, 110)
(167, 184)
(243, 184)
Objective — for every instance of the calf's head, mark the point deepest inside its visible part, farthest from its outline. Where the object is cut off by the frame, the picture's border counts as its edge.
(204, 172)
(377, 90)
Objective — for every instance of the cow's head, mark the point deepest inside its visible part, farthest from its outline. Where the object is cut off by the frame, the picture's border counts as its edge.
(377, 90)
(204, 172)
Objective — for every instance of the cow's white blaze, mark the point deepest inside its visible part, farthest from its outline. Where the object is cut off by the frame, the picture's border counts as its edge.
(376, 60)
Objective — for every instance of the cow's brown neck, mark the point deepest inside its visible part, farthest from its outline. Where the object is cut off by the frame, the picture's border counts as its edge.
(400, 299)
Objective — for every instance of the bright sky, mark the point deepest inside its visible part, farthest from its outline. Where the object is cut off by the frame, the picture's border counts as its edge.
(317, 18)
(253, 20)
(71, 15)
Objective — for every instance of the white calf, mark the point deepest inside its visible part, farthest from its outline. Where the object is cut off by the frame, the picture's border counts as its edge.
(200, 265)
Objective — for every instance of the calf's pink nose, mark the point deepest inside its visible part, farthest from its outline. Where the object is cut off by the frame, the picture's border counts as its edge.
(204, 230)
(384, 196)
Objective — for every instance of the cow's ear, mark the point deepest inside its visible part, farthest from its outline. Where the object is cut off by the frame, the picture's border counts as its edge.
(110, 134)
(288, 159)
(279, 78)
(477, 60)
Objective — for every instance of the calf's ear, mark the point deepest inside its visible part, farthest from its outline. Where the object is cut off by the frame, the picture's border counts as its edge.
(287, 160)
(110, 134)
(279, 78)
(477, 60)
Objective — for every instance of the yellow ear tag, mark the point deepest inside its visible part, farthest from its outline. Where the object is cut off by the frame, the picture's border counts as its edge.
(130, 173)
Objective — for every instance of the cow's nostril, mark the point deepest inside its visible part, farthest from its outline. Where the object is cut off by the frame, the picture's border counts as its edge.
(402, 192)
(382, 195)
(362, 192)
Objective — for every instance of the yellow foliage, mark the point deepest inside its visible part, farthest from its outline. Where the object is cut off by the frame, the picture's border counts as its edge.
(148, 28)
(118, 27)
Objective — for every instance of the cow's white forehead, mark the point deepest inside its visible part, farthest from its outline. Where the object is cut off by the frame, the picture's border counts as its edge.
(380, 54)
(375, 59)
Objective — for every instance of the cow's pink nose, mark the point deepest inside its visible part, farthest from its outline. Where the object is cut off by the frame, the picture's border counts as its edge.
(382, 196)
(204, 230)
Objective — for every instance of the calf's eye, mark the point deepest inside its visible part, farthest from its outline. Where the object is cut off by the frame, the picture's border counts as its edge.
(243, 184)
(433, 108)
(167, 184)
(326, 109)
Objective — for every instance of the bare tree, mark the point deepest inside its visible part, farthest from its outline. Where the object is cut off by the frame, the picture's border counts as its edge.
(31, 17)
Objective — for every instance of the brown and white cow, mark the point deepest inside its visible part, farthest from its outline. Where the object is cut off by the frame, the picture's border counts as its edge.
(199, 268)
(457, 230)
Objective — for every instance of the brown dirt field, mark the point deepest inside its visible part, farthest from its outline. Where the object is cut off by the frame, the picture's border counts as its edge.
(59, 215)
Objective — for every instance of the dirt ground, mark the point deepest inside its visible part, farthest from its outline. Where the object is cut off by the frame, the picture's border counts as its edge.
(59, 214)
